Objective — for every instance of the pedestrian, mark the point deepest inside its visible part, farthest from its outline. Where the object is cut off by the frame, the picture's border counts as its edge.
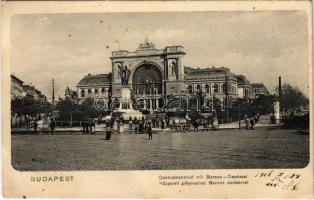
(158, 124)
(205, 123)
(118, 125)
(108, 129)
(115, 125)
(257, 117)
(35, 126)
(146, 125)
(195, 125)
(150, 131)
(167, 121)
(52, 126)
(84, 126)
(130, 123)
(140, 127)
(252, 122)
(247, 121)
(93, 127)
(88, 126)
(135, 125)
(162, 124)
(121, 129)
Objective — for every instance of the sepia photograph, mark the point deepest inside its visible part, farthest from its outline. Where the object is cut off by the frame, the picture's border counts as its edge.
(157, 99)
(159, 90)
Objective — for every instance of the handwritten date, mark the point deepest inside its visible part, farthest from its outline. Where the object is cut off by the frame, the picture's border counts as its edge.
(285, 181)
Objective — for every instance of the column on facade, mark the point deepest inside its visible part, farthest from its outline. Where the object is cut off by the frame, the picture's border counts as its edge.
(157, 103)
(106, 92)
(220, 90)
(145, 104)
(151, 104)
(86, 92)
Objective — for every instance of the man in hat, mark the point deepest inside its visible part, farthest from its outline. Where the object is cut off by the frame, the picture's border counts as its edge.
(149, 131)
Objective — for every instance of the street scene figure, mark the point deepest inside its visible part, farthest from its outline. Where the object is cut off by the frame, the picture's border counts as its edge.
(130, 123)
(84, 126)
(108, 129)
(52, 126)
(93, 127)
(150, 131)
(35, 126)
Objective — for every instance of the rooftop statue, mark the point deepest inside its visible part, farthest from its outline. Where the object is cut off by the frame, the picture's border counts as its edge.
(146, 45)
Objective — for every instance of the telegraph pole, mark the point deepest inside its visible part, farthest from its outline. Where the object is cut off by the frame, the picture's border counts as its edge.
(280, 96)
(53, 98)
(280, 91)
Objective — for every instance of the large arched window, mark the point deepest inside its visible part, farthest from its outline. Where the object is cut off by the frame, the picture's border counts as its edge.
(189, 89)
(82, 93)
(198, 88)
(207, 89)
(96, 91)
(215, 88)
(89, 91)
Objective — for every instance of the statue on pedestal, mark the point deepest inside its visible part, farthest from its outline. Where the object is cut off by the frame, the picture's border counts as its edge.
(124, 73)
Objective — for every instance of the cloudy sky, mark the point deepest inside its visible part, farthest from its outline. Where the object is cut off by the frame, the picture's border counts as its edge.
(261, 45)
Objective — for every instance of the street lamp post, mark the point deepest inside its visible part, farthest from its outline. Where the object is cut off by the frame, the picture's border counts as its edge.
(21, 112)
(53, 99)
(227, 93)
(239, 112)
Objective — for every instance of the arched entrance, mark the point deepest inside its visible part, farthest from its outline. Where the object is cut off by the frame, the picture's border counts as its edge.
(147, 86)
(147, 80)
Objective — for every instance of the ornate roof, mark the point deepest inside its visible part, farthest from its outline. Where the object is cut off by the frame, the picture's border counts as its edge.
(242, 80)
(95, 80)
(258, 85)
(13, 77)
(206, 73)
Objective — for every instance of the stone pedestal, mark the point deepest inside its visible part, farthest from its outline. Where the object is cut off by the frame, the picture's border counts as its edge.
(126, 102)
(277, 113)
(126, 105)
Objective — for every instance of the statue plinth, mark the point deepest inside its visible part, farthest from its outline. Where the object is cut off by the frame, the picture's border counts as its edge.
(126, 107)
(126, 102)
(277, 113)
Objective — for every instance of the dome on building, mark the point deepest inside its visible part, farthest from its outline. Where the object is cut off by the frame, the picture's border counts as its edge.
(94, 80)
(242, 80)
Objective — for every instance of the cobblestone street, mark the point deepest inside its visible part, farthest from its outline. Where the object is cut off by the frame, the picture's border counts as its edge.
(261, 148)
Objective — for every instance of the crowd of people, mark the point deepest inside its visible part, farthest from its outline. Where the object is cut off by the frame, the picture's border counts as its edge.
(52, 126)
(145, 126)
(88, 126)
(139, 126)
(250, 121)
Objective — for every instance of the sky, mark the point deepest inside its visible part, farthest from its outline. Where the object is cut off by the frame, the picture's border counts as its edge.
(261, 45)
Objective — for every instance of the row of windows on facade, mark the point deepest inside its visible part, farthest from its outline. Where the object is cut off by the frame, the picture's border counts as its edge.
(247, 92)
(215, 88)
(96, 91)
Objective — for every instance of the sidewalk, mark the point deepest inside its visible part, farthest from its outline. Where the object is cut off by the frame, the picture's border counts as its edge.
(98, 128)
(235, 125)
(102, 128)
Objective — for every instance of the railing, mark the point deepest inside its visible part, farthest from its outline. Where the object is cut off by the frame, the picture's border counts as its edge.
(70, 124)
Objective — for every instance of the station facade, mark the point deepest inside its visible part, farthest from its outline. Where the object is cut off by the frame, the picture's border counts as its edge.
(153, 73)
